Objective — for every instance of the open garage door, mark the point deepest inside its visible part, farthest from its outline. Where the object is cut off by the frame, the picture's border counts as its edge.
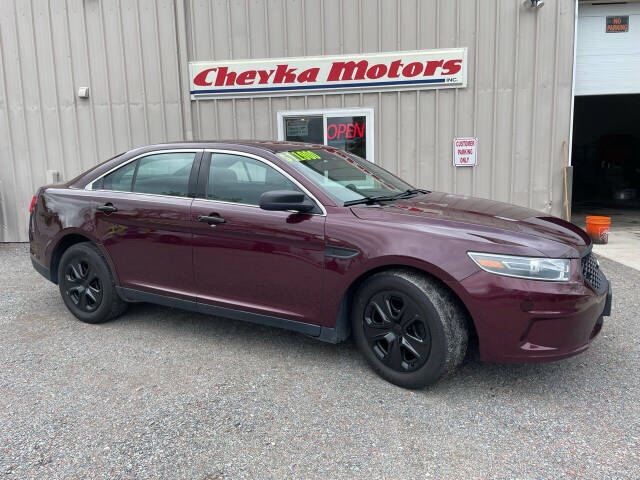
(606, 125)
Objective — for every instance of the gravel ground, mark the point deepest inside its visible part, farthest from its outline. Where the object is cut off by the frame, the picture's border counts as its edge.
(161, 393)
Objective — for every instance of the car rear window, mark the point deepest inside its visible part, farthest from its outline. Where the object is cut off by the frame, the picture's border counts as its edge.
(119, 180)
(159, 174)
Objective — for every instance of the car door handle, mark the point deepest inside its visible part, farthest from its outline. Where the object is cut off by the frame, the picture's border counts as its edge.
(211, 220)
(107, 208)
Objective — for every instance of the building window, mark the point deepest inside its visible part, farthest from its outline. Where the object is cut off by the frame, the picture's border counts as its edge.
(349, 129)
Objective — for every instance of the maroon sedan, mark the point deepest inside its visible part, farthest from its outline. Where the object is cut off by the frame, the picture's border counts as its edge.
(319, 241)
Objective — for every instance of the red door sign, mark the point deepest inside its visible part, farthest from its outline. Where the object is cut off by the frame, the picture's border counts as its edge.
(347, 130)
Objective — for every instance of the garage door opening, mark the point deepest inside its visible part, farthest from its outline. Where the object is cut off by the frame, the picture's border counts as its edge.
(606, 160)
(605, 153)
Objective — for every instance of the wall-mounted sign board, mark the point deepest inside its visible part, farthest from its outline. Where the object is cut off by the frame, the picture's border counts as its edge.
(465, 152)
(297, 128)
(618, 24)
(442, 68)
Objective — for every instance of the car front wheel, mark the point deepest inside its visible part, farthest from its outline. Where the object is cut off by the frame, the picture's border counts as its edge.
(87, 285)
(410, 328)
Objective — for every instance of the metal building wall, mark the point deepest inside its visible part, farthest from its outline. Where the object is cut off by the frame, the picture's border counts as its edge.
(124, 50)
(133, 55)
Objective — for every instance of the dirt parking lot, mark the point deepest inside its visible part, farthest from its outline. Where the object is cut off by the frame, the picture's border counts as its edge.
(161, 393)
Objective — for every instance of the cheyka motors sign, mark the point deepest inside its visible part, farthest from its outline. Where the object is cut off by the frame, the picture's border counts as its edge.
(444, 68)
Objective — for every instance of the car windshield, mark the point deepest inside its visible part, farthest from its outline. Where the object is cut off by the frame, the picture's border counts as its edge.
(344, 176)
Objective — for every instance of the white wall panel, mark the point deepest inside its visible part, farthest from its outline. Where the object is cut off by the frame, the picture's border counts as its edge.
(607, 63)
(133, 54)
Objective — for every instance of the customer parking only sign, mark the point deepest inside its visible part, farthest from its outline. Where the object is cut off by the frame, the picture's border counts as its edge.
(442, 68)
(465, 152)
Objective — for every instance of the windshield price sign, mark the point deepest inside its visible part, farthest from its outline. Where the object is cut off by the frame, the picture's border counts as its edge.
(442, 68)
(465, 152)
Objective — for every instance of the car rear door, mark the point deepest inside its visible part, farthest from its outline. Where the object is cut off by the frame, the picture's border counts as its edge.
(142, 219)
(249, 259)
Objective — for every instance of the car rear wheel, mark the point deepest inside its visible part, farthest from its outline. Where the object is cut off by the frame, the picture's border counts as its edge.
(87, 285)
(410, 328)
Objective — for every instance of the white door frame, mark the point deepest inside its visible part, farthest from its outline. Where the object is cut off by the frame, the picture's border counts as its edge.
(366, 112)
(573, 88)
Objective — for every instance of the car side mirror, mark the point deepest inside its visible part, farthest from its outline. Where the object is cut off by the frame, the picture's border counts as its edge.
(283, 200)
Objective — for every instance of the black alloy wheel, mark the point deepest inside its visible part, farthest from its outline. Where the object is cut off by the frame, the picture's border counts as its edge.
(87, 284)
(396, 331)
(83, 285)
(409, 327)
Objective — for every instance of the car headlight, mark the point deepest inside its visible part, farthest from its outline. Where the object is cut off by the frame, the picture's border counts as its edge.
(533, 268)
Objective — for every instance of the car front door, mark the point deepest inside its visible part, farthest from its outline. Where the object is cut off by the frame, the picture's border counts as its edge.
(245, 258)
(142, 219)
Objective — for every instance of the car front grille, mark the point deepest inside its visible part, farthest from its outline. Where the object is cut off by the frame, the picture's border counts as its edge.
(592, 273)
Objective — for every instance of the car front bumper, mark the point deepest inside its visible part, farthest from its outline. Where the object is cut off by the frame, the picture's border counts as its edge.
(524, 321)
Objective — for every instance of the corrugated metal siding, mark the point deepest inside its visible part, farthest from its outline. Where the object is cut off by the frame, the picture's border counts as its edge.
(125, 51)
(133, 55)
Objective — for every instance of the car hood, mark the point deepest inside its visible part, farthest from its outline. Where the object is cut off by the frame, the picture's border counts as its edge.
(496, 222)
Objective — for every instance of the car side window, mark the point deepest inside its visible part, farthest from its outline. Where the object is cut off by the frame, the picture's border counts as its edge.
(161, 174)
(119, 180)
(238, 179)
(164, 174)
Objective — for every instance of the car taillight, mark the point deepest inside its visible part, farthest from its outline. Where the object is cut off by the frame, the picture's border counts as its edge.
(33, 204)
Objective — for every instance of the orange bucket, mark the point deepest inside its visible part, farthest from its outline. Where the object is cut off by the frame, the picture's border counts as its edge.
(598, 229)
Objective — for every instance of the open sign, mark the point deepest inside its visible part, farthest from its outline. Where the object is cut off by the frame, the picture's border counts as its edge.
(348, 130)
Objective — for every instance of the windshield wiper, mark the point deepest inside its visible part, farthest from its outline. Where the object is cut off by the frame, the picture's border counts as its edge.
(386, 198)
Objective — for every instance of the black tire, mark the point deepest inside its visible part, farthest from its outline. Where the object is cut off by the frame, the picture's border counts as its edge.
(87, 285)
(410, 328)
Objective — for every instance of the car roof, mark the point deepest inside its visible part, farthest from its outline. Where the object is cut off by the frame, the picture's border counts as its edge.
(248, 146)
(272, 146)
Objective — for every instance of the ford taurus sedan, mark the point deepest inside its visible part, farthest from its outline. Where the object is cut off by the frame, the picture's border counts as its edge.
(316, 240)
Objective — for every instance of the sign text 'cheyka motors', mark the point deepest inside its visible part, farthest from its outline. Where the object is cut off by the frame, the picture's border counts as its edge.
(307, 75)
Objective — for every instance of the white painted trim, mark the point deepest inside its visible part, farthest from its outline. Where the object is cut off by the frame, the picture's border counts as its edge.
(367, 112)
(573, 87)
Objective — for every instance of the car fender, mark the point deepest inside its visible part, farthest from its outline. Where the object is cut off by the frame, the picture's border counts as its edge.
(71, 232)
(344, 276)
